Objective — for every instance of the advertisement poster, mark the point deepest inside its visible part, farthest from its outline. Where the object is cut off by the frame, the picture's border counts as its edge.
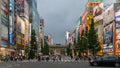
(117, 47)
(117, 41)
(4, 35)
(98, 12)
(117, 26)
(100, 33)
(117, 15)
(108, 35)
(99, 30)
(108, 15)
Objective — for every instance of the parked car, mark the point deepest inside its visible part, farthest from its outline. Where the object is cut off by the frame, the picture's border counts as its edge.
(106, 61)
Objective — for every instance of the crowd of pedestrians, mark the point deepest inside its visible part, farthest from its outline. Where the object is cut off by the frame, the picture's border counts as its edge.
(12, 58)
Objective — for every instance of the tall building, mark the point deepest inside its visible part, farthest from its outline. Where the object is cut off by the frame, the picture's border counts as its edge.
(20, 26)
(4, 24)
(41, 32)
(34, 18)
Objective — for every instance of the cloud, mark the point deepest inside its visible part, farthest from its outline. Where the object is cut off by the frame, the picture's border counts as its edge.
(60, 16)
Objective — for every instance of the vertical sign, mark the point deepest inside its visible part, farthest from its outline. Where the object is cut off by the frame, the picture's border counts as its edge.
(117, 27)
(10, 21)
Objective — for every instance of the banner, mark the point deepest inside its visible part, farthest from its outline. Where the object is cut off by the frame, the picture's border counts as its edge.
(108, 35)
(108, 15)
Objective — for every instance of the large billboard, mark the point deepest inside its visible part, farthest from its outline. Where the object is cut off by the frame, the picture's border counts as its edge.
(4, 12)
(117, 15)
(84, 21)
(99, 30)
(91, 4)
(117, 26)
(117, 41)
(98, 12)
(108, 15)
(26, 9)
(20, 25)
(108, 39)
(108, 36)
(4, 36)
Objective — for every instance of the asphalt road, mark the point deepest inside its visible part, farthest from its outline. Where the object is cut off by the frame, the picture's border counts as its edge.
(37, 64)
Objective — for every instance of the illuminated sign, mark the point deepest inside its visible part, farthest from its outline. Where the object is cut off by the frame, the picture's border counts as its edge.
(94, 3)
(10, 21)
(108, 50)
(10, 30)
(10, 5)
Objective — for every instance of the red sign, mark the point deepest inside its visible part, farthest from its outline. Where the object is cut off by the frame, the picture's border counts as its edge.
(94, 4)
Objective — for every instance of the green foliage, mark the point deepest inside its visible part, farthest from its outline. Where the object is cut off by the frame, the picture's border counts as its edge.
(33, 48)
(69, 50)
(42, 49)
(33, 40)
(78, 44)
(81, 45)
(46, 49)
(84, 43)
(31, 54)
(93, 39)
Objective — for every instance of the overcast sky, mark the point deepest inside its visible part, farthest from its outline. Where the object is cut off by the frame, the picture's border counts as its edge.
(61, 16)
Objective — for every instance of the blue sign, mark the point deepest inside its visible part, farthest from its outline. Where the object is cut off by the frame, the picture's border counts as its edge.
(10, 1)
(10, 29)
(10, 38)
(10, 6)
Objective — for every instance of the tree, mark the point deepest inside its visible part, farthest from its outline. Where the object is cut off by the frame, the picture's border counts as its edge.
(75, 43)
(68, 50)
(33, 48)
(79, 46)
(42, 49)
(93, 39)
(46, 49)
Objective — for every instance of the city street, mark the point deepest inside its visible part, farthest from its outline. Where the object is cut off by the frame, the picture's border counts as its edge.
(36, 64)
(59, 33)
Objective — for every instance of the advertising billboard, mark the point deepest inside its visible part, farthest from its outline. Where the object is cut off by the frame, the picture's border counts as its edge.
(84, 21)
(99, 30)
(117, 26)
(97, 12)
(108, 35)
(117, 41)
(117, 46)
(10, 30)
(4, 35)
(10, 20)
(4, 19)
(108, 15)
(117, 15)
(20, 25)
(26, 9)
